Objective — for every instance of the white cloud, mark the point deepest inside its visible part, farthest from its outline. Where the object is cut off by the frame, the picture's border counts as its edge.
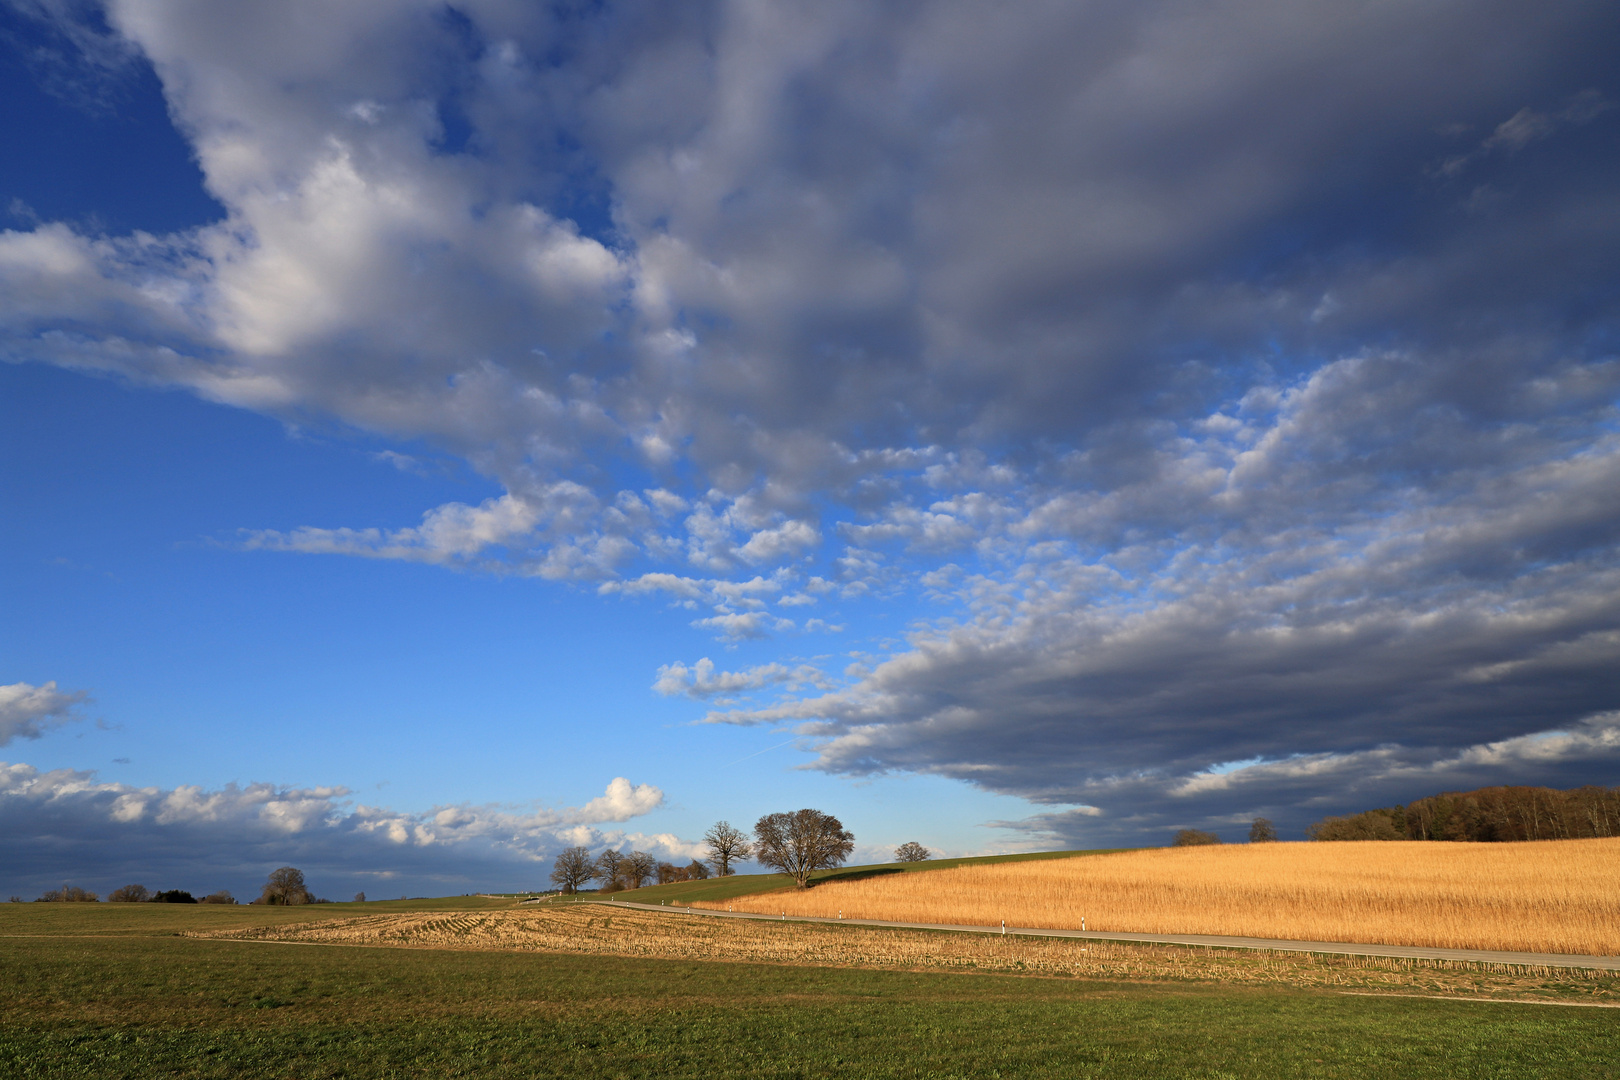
(751, 625)
(27, 712)
(983, 297)
(621, 802)
(702, 680)
(100, 828)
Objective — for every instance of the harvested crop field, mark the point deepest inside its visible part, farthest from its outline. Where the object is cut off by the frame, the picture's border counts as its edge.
(1556, 896)
(597, 930)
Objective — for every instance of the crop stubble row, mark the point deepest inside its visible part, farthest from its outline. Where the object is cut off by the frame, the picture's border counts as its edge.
(588, 929)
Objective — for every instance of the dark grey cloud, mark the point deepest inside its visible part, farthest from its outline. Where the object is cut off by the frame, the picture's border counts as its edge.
(1239, 378)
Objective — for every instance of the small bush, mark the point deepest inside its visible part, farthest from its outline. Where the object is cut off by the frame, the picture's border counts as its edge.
(220, 897)
(129, 894)
(174, 896)
(1195, 838)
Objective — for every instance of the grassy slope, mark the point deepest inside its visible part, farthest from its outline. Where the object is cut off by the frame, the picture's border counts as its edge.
(129, 999)
(730, 888)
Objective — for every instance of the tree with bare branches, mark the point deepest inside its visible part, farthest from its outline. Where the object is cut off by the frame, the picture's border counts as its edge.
(71, 894)
(574, 868)
(638, 868)
(610, 868)
(802, 842)
(727, 845)
(285, 886)
(1262, 831)
(911, 851)
(129, 894)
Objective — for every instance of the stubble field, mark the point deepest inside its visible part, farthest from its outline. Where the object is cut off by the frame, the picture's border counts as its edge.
(599, 930)
(1558, 896)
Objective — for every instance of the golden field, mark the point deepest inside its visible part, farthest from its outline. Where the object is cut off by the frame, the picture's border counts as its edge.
(1556, 896)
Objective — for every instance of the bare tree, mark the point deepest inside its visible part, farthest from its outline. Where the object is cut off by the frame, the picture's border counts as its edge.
(222, 896)
(638, 868)
(129, 894)
(802, 842)
(574, 868)
(1195, 838)
(726, 846)
(911, 851)
(285, 886)
(610, 868)
(696, 871)
(71, 894)
(359, 897)
(1262, 832)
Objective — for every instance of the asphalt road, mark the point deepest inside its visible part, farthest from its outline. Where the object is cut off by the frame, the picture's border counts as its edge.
(1346, 948)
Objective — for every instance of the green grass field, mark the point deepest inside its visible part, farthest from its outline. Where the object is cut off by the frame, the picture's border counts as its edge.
(110, 991)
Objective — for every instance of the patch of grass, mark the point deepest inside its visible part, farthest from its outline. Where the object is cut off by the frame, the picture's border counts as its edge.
(188, 1008)
(738, 885)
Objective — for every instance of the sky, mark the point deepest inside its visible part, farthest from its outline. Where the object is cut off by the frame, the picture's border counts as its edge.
(432, 436)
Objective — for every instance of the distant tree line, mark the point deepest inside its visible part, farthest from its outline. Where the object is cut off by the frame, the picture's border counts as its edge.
(283, 886)
(797, 843)
(1493, 814)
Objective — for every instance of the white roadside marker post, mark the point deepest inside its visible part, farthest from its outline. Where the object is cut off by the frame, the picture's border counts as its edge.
(1003, 927)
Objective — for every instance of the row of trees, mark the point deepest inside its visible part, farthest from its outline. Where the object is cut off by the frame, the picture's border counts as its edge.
(284, 886)
(795, 843)
(1493, 814)
(1486, 815)
(130, 894)
(140, 894)
(1261, 831)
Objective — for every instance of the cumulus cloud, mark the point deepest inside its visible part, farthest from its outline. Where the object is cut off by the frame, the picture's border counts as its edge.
(621, 802)
(27, 712)
(67, 824)
(1148, 343)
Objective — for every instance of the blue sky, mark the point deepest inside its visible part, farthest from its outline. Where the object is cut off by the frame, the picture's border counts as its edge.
(436, 435)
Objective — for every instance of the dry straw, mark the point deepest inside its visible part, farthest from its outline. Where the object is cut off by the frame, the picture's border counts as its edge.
(1558, 896)
(592, 929)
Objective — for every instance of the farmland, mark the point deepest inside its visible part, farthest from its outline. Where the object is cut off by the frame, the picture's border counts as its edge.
(1546, 896)
(478, 988)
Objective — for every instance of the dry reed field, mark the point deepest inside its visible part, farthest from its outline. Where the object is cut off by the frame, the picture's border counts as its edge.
(1555, 896)
(593, 929)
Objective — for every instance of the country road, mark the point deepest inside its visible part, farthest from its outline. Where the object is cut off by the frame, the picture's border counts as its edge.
(1420, 952)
